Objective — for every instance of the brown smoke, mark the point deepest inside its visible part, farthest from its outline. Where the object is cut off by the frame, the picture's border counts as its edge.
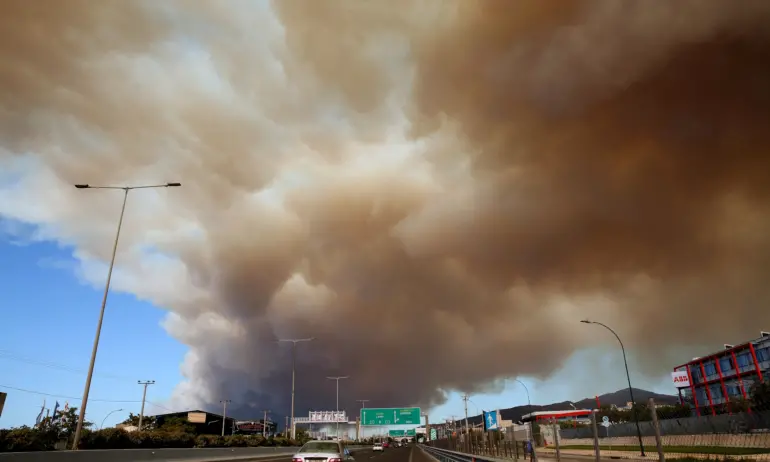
(459, 182)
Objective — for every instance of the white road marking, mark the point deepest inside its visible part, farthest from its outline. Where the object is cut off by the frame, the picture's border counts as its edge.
(411, 451)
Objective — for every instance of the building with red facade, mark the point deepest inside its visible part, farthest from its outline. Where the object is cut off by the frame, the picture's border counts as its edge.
(709, 383)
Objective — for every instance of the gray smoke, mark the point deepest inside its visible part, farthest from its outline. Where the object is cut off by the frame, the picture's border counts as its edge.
(438, 190)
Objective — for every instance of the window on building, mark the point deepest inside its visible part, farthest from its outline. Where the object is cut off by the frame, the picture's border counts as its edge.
(734, 390)
(763, 354)
(744, 359)
(726, 364)
(702, 397)
(710, 368)
(695, 372)
(716, 391)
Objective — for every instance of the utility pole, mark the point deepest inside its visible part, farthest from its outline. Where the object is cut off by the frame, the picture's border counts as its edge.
(359, 427)
(264, 423)
(465, 399)
(224, 413)
(95, 349)
(337, 379)
(286, 425)
(294, 342)
(144, 397)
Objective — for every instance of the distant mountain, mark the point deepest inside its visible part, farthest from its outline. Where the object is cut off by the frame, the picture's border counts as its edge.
(618, 398)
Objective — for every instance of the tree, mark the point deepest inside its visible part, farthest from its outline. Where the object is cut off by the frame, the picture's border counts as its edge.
(65, 422)
(176, 425)
(148, 422)
(760, 396)
(676, 411)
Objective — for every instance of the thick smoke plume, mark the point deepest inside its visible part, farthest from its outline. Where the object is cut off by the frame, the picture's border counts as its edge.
(437, 190)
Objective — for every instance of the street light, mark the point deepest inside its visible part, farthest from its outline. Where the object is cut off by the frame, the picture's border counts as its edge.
(361, 422)
(105, 417)
(84, 401)
(628, 376)
(293, 363)
(338, 400)
(529, 403)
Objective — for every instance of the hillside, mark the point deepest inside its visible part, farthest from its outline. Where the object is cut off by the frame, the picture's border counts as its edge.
(618, 398)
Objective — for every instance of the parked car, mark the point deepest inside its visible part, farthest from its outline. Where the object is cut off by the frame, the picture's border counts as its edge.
(378, 447)
(323, 451)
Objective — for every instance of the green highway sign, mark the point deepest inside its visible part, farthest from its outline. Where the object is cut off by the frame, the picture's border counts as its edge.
(390, 416)
(396, 433)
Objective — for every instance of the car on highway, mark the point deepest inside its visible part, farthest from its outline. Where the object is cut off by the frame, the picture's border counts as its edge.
(378, 447)
(323, 451)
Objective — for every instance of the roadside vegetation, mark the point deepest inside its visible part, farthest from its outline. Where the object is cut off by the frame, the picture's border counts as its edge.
(174, 433)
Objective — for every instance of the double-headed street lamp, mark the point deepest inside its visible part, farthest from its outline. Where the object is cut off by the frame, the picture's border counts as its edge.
(294, 342)
(337, 379)
(84, 402)
(628, 376)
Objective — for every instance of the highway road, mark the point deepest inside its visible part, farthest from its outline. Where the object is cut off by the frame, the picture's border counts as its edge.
(408, 454)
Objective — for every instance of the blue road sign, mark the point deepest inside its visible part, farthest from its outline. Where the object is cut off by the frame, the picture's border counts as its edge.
(490, 420)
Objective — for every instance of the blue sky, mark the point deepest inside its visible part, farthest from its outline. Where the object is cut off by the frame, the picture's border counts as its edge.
(49, 320)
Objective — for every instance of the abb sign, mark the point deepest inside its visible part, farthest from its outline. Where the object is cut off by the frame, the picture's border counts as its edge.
(681, 379)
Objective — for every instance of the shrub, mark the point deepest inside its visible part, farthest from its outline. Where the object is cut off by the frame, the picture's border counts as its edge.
(110, 438)
(30, 439)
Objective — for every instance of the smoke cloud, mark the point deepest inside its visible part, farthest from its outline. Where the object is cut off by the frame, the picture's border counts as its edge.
(437, 190)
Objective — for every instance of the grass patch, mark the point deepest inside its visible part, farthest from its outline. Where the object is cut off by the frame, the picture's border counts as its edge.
(715, 450)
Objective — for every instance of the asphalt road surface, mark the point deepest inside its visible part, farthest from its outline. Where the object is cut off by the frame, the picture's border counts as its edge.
(410, 453)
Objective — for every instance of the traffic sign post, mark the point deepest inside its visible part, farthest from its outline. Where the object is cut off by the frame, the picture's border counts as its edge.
(399, 433)
(433, 434)
(490, 421)
(390, 416)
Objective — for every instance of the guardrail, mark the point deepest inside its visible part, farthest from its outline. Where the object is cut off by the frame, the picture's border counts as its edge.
(138, 455)
(446, 455)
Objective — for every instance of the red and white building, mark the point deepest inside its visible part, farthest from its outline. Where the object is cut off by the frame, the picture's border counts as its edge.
(709, 383)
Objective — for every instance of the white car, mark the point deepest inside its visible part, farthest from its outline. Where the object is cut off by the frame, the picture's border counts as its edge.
(323, 451)
(378, 447)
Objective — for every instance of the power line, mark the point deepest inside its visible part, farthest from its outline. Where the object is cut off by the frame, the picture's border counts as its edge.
(52, 395)
(6, 354)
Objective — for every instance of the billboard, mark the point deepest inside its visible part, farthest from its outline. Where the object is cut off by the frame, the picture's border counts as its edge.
(196, 417)
(325, 416)
(249, 426)
(681, 379)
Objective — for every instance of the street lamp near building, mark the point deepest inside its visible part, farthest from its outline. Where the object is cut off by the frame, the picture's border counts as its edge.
(628, 377)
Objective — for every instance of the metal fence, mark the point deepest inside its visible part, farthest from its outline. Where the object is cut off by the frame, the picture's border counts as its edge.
(735, 434)
(512, 443)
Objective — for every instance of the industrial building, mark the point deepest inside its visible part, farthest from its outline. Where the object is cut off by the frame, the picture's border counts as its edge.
(206, 423)
(709, 383)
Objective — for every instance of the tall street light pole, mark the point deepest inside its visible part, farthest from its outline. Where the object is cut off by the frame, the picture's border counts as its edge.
(84, 401)
(529, 403)
(361, 415)
(294, 342)
(337, 379)
(628, 376)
